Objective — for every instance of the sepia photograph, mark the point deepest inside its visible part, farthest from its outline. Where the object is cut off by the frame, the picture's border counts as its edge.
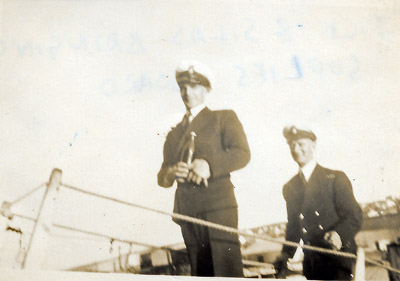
(199, 139)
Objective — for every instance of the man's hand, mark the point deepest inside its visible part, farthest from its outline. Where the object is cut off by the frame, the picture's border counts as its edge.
(180, 171)
(333, 238)
(199, 172)
(280, 265)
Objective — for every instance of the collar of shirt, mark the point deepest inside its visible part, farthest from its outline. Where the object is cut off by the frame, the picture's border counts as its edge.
(308, 169)
(196, 110)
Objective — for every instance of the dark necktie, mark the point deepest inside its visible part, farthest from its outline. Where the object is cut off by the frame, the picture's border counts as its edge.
(183, 144)
(186, 119)
(303, 178)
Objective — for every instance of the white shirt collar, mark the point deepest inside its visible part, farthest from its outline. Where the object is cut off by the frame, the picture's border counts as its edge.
(308, 169)
(196, 110)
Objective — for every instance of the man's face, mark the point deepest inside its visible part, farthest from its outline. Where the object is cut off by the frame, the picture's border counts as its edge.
(302, 151)
(192, 94)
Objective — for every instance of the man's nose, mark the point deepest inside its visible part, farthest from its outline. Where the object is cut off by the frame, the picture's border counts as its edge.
(188, 90)
(296, 148)
(183, 90)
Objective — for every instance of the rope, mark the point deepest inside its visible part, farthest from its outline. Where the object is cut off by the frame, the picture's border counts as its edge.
(231, 229)
(91, 233)
(34, 227)
(27, 194)
(130, 242)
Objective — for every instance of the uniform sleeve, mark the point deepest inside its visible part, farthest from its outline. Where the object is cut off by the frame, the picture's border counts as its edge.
(292, 227)
(162, 176)
(347, 208)
(235, 152)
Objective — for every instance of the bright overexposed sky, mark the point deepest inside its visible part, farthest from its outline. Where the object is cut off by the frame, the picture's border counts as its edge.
(88, 87)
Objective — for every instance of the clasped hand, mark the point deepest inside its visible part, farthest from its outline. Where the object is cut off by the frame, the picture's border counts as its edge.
(199, 171)
(333, 238)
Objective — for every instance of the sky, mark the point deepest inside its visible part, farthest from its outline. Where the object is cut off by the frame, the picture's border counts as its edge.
(88, 87)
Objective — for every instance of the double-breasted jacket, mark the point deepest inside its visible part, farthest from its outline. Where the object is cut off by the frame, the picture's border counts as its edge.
(323, 204)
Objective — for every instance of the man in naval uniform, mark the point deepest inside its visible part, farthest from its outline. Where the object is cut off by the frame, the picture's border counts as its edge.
(199, 154)
(321, 210)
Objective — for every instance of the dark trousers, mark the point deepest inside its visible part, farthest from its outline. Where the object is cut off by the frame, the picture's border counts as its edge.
(318, 266)
(213, 252)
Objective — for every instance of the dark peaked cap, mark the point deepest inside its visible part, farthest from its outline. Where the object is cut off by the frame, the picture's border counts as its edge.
(194, 72)
(292, 133)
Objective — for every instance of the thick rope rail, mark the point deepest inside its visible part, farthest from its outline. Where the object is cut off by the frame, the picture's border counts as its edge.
(246, 262)
(231, 229)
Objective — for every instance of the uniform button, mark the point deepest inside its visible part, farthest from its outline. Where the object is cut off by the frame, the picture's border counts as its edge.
(316, 213)
(304, 230)
(321, 227)
(301, 216)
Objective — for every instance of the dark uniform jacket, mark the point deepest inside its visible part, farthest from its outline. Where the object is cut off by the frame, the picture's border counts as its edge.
(221, 141)
(326, 203)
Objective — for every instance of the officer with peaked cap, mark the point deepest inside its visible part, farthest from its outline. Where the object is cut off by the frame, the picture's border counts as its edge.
(322, 211)
(199, 154)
